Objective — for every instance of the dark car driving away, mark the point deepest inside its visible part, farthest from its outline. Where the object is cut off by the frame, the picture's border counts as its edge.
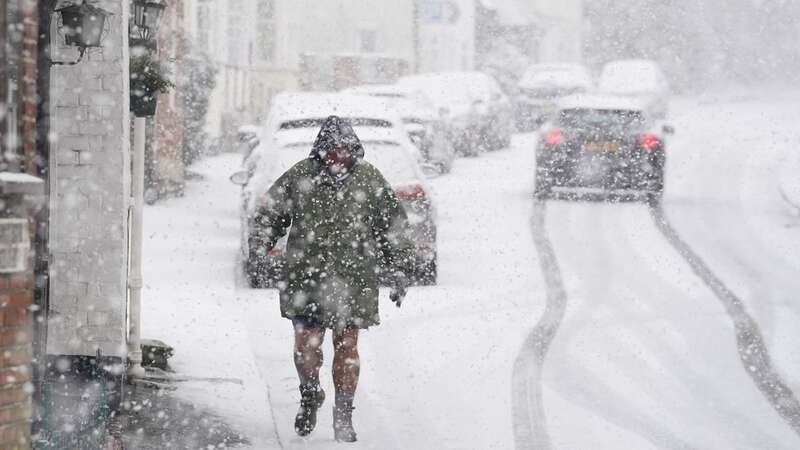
(601, 145)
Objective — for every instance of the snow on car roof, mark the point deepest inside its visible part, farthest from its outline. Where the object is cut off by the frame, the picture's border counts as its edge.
(596, 101)
(305, 105)
(575, 76)
(453, 90)
(406, 102)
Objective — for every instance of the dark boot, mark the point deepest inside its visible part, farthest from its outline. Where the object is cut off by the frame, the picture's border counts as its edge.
(311, 398)
(343, 419)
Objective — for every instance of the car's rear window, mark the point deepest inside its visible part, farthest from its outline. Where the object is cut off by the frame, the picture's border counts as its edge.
(317, 123)
(392, 160)
(387, 94)
(602, 119)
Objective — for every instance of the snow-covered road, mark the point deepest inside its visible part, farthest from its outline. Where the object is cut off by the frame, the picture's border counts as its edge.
(644, 356)
(647, 355)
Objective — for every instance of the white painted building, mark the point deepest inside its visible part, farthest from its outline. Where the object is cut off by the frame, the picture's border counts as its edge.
(90, 193)
(341, 26)
(556, 26)
(257, 45)
(446, 35)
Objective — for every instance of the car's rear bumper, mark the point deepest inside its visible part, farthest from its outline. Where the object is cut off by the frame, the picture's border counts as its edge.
(639, 170)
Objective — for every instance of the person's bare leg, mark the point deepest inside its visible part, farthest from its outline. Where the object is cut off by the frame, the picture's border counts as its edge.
(308, 352)
(346, 363)
(307, 361)
(346, 368)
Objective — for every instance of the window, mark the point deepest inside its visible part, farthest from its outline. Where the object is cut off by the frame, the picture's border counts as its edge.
(14, 245)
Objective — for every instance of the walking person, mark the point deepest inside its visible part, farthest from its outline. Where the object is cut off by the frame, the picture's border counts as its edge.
(346, 227)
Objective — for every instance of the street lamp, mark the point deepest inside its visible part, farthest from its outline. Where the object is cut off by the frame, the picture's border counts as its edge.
(146, 17)
(83, 26)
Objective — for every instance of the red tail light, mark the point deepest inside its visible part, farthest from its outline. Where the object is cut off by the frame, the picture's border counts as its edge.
(412, 192)
(649, 141)
(553, 136)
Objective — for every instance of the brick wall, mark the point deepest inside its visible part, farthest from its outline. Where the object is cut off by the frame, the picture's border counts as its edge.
(89, 193)
(16, 288)
(28, 97)
(166, 148)
(16, 333)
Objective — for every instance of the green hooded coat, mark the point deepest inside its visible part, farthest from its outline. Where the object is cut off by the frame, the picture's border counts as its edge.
(342, 233)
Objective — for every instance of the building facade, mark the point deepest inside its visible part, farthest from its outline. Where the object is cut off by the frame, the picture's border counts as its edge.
(258, 46)
(446, 35)
(89, 186)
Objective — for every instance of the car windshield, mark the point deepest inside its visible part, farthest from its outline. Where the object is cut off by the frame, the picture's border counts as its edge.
(387, 94)
(317, 123)
(389, 157)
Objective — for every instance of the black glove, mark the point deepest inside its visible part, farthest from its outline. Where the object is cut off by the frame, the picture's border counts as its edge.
(398, 292)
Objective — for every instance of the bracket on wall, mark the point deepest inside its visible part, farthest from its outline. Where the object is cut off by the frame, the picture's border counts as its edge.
(81, 51)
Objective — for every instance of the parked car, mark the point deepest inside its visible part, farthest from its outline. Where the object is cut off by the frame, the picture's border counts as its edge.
(421, 120)
(247, 139)
(292, 127)
(640, 79)
(478, 113)
(542, 86)
(606, 144)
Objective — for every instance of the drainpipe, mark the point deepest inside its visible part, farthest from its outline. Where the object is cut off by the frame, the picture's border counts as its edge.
(135, 369)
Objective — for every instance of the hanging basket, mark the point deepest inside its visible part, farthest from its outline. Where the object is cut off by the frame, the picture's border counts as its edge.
(148, 79)
(144, 105)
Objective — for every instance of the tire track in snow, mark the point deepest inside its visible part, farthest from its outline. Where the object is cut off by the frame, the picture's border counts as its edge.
(750, 343)
(529, 421)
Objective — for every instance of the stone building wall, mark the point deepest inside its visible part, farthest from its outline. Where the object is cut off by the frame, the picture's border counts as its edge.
(89, 193)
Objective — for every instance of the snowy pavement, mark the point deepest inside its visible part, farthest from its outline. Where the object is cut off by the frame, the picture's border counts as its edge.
(644, 355)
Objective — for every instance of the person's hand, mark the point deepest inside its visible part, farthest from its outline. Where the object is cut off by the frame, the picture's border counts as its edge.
(257, 253)
(398, 292)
